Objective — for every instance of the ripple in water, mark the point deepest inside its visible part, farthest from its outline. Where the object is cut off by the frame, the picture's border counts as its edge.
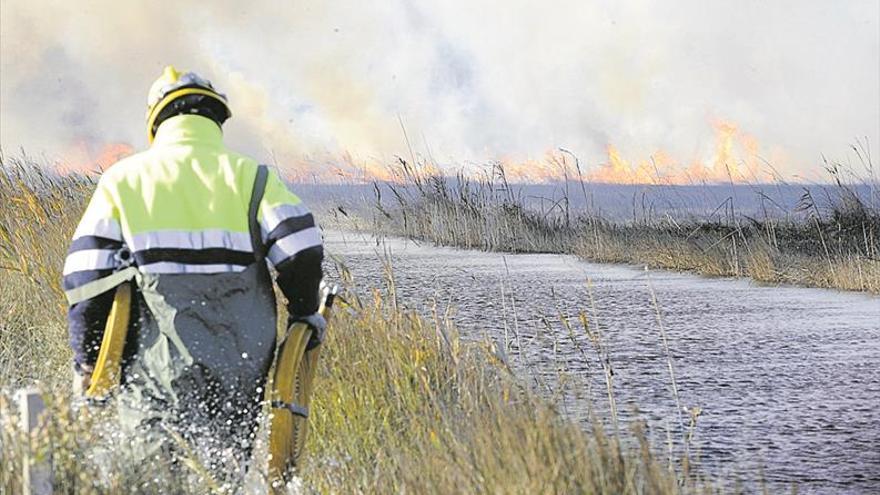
(788, 378)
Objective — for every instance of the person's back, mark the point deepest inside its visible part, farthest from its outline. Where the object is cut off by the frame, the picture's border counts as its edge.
(197, 221)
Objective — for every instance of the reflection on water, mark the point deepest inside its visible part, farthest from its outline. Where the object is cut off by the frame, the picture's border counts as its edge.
(788, 378)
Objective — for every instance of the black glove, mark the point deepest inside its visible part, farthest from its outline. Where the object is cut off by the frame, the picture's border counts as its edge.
(316, 322)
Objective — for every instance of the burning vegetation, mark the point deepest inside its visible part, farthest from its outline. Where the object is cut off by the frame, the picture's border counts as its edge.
(736, 157)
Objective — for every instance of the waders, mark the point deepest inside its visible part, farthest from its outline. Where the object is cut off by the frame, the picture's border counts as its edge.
(291, 381)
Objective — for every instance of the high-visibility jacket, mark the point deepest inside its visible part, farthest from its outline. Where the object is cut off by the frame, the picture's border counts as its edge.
(181, 208)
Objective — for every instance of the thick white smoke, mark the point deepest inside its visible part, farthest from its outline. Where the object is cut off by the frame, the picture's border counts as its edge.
(470, 80)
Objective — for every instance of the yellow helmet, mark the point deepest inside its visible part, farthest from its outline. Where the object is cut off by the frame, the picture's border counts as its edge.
(173, 84)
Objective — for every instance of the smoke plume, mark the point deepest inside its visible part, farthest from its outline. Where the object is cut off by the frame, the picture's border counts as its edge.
(313, 81)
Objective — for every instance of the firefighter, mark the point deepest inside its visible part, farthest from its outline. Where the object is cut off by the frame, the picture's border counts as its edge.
(193, 227)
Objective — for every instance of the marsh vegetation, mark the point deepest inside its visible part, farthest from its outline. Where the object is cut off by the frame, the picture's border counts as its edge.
(402, 404)
(830, 241)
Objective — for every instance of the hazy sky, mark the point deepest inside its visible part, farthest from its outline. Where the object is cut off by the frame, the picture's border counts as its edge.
(471, 80)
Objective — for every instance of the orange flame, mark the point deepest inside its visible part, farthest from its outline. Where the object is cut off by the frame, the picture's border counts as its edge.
(735, 159)
(620, 171)
(83, 157)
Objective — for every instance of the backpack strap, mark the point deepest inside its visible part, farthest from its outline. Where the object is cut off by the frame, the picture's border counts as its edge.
(100, 286)
(253, 221)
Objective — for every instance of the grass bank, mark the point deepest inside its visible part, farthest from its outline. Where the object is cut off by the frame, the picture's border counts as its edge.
(401, 404)
(833, 242)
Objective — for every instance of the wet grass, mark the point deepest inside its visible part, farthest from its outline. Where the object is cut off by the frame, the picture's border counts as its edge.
(401, 404)
(832, 243)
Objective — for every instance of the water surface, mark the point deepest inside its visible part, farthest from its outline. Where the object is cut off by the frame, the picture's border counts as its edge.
(788, 378)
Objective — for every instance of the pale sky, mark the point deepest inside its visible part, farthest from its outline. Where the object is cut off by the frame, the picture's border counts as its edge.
(470, 80)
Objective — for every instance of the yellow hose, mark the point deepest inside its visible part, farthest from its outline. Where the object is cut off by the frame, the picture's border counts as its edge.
(108, 367)
(292, 383)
